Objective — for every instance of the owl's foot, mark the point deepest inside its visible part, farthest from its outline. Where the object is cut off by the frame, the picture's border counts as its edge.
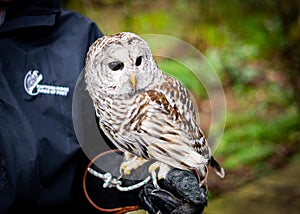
(162, 172)
(131, 164)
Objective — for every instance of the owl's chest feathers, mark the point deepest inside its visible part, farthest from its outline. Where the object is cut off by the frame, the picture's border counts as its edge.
(132, 112)
(119, 112)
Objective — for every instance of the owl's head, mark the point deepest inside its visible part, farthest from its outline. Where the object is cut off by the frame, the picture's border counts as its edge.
(120, 64)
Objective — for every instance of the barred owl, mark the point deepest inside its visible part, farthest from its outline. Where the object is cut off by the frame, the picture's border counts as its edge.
(144, 112)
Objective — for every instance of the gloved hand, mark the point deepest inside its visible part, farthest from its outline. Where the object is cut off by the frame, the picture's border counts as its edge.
(179, 192)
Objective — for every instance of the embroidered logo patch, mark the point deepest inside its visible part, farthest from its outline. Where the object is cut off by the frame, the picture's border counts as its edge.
(33, 88)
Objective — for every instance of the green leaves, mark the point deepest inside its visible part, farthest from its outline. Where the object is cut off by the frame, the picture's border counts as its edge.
(249, 140)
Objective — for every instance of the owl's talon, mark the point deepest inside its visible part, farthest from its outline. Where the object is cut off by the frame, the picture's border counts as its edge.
(154, 179)
(127, 172)
(124, 169)
(131, 164)
(123, 166)
(152, 170)
(120, 176)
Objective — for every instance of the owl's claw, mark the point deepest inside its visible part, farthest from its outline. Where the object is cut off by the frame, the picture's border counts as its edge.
(124, 170)
(152, 170)
(163, 170)
(134, 163)
(154, 179)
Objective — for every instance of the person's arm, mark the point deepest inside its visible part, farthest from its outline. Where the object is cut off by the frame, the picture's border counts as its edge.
(179, 193)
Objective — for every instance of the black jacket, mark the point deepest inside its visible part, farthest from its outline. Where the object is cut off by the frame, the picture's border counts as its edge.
(42, 52)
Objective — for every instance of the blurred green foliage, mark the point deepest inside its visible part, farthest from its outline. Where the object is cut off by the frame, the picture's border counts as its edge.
(257, 139)
(186, 76)
(253, 46)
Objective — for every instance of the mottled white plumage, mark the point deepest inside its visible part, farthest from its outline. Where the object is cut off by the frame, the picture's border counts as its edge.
(144, 112)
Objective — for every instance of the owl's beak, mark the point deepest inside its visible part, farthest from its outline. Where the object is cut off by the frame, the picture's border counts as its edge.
(133, 79)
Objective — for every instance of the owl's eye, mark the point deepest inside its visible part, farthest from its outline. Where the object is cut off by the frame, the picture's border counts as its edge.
(138, 61)
(116, 65)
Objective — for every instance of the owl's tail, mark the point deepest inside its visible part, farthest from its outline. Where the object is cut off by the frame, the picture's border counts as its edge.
(217, 167)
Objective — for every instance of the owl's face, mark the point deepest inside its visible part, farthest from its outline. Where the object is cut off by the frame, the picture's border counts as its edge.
(122, 63)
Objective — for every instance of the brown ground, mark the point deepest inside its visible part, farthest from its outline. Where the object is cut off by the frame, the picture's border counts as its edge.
(278, 192)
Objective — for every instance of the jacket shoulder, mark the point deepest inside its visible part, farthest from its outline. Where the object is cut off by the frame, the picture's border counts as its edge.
(79, 22)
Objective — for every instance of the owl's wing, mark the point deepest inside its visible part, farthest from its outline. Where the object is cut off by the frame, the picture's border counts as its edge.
(177, 94)
(158, 130)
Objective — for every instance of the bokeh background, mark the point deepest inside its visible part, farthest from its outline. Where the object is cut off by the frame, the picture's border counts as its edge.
(254, 47)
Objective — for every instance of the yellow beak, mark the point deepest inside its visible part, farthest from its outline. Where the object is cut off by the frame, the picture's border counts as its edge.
(133, 79)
